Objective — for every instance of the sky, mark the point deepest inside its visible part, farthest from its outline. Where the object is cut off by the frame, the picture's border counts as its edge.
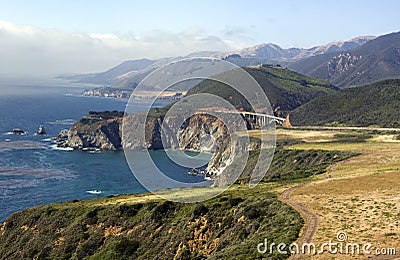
(48, 37)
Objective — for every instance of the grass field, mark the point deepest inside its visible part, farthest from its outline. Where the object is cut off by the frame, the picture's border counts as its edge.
(359, 196)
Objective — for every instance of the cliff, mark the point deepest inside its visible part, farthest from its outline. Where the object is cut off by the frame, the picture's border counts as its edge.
(97, 130)
(200, 132)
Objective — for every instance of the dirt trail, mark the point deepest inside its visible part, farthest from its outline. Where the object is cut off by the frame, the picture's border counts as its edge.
(311, 219)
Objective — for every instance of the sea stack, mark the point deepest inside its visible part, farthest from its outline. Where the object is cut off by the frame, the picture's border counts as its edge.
(41, 130)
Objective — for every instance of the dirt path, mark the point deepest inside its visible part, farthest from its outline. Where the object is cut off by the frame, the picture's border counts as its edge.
(311, 219)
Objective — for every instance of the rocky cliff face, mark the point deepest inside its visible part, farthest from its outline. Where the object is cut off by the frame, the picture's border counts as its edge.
(200, 132)
(341, 63)
(96, 134)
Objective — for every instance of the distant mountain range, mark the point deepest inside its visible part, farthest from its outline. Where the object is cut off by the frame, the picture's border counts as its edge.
(308, 90)
(375, 60)
(273, 52)
(356, 62)
(129, 73)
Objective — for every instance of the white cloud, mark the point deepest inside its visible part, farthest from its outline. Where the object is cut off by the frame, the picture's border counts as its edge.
(27, 50)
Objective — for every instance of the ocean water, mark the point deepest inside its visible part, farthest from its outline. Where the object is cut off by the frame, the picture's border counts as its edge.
(33, 172)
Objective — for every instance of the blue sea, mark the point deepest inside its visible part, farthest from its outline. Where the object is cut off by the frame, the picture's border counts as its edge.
(34, 172)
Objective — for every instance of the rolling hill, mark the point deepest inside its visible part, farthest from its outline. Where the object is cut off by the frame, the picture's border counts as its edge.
(376, 60)
(285, 89)
(127, 67)
(375, 104)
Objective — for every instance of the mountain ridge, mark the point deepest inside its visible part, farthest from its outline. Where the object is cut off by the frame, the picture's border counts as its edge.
(129, 73)
(275, 52)
(376, 60)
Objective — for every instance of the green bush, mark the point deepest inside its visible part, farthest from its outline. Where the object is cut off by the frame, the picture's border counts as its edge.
(352, 137)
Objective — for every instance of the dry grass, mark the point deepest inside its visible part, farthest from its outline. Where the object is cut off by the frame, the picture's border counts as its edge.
(375, 157)
(319, 136)
(360, 196)
(306, 135)
(367, 208)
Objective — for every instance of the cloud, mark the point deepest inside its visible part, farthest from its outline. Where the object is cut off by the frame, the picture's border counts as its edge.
(237, 32)
(27, 50)
(238, 37)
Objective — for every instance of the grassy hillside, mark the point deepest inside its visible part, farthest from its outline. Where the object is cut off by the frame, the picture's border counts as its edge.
(284, 88)
(288, 165)
(145, 227)
(376, 104)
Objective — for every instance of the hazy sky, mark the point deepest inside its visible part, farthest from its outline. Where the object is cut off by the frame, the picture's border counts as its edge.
(71, 36)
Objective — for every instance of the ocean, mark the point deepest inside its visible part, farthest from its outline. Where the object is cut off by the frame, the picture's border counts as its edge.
(34, 172)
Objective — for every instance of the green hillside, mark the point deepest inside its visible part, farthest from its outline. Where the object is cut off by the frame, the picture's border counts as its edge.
(285, 89)
(229, 226)
(377, 104)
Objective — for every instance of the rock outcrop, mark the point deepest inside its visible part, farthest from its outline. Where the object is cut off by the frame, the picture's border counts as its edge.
(341, 63)
(104, 135)
(201, 132)
(94, 131)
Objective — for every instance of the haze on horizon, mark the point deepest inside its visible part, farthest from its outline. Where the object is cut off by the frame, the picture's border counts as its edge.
(41, 38)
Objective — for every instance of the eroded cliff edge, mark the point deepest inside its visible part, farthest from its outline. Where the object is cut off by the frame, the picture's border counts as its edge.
(97, 130)
(201, 132)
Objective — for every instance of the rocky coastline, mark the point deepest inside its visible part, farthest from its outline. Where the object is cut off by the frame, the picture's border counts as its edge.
(108, 92)
(103, 131)
(97, 130)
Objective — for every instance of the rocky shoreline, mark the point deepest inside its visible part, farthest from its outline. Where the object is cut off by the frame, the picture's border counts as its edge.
(97, 130)
(103, 131)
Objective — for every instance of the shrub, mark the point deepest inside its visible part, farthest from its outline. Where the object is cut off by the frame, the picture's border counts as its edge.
(199, 210)
(163, 210)
(125, 247)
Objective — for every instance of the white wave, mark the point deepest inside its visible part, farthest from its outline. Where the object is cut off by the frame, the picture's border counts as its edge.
(94, 191)
(11, 133)
(55, 147)
(46, 140)
(67, 121)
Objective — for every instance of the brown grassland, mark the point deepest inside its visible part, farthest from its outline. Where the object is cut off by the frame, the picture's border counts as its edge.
(359, 196)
